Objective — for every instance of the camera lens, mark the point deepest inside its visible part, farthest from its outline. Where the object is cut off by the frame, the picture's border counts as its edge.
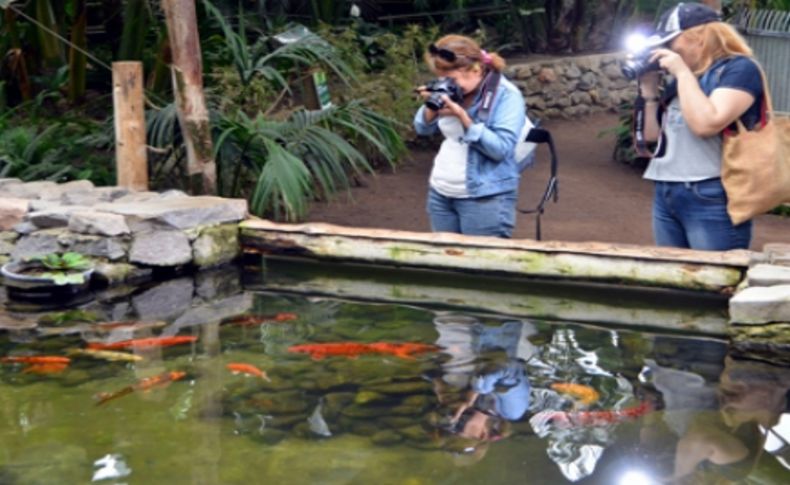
(435, 101)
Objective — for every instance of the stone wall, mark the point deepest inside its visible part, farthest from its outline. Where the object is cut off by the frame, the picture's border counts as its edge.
(570, 87)
(127, 234)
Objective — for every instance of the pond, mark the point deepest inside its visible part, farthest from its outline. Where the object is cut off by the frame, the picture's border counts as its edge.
(246, 385)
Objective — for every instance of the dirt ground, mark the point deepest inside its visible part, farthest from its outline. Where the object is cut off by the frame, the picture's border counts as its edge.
(600, 199)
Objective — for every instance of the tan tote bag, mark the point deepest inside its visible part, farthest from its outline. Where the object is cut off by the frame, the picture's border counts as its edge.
(755, 168)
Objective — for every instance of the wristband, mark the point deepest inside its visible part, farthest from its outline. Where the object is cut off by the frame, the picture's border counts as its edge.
(653, 99)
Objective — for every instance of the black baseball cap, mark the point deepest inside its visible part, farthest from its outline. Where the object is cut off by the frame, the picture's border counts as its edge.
(682, 17)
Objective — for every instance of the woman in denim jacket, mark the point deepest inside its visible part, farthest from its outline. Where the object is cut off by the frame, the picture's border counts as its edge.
(474, 180)
(716, 81)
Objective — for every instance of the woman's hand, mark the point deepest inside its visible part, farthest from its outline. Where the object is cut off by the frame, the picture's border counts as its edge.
(670, 61)
(451, 108)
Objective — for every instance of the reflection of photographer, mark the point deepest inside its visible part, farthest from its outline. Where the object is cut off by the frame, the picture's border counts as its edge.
(474, 181)
(715, 82)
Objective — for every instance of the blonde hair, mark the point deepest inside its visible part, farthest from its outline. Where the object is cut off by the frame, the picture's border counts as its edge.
(468, 54)
(719, 40)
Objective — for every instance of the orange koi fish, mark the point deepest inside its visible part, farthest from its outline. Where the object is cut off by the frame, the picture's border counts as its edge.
(146, 384)
(355, 349)
(51, 368)
(248, 369)
(142, 343)
(562, 419)
(249, 320)
(35, 359)
(585, 394)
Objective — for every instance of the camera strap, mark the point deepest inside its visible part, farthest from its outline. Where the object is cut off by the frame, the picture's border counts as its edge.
(640, 144)
(489, 87)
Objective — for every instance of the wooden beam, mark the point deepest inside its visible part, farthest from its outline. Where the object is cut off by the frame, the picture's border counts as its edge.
(130, 148)
(588, 262)
(187, 69)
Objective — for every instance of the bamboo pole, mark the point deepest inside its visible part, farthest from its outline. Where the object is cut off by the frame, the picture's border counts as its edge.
(130, 148)
(187, 69)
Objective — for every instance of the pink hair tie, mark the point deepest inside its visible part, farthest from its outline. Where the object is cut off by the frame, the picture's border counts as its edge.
(485, 56)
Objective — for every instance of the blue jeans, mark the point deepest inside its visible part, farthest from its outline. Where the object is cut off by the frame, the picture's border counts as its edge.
(494, 215)
(694, 215)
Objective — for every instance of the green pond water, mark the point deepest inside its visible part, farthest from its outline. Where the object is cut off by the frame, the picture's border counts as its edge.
(641, 407)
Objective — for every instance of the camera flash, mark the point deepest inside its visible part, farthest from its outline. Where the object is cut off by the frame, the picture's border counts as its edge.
(636, 42)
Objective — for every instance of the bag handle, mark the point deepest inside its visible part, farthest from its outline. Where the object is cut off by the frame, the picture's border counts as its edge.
(766, 109)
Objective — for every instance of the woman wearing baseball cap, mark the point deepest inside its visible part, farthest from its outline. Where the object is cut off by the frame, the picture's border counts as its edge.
(715, 81)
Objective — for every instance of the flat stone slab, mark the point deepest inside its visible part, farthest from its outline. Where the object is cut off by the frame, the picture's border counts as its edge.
(178, 213)
(777, 253)
(101, 223)
(759, 305)
(768, 275)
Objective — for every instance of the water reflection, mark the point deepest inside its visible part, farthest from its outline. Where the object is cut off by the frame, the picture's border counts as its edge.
(573, 403)
(724, 433)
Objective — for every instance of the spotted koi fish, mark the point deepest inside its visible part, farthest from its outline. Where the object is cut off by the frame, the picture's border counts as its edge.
(249, 320)
(110, 355)
(584, 394)
(248, 369)
(161, 380)
(562, 419)
(142, 343)
(355, 349)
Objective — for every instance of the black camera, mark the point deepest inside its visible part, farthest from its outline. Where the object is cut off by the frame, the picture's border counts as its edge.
(440, 86)
(638, 63)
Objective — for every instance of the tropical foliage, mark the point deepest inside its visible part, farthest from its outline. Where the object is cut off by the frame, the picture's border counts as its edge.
(271, 144)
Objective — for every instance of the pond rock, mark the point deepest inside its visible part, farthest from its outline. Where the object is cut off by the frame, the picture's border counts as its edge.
(358, 411)
(280, 403)
(386, 437)
(769, 342)
(406, 387)
(365, 397)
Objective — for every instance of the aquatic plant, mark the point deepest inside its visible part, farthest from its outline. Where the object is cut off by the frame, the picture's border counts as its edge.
(64, 269)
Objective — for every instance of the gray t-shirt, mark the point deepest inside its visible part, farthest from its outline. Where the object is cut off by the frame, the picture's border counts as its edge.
(686, 157)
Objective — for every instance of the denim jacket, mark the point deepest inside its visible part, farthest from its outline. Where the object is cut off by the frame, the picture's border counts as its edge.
(491, 168)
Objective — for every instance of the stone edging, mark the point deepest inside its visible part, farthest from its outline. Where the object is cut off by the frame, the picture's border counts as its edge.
(570, 87)
(127, 234)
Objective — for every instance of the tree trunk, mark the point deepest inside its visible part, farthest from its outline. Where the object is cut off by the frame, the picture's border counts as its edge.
(187, 69)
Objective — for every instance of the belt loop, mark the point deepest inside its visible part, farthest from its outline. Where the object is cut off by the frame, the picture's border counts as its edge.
(688, 184)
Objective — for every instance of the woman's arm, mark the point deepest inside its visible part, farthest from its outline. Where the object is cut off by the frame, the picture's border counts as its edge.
(705, 115)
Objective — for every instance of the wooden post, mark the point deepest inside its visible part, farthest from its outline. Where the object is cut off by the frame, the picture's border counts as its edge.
(130, 148)
(187, 71)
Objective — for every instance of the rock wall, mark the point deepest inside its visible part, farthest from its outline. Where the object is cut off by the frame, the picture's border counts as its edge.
(570, 87)
(127, 234)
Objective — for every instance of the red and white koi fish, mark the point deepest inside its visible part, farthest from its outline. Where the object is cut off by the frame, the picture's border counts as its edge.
(355, 349)
(561, 419)
(161, 380)
(143, 343)
(248, 320)
(248, 369)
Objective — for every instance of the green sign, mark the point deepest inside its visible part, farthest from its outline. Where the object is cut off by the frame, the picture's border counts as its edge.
(321, 89)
